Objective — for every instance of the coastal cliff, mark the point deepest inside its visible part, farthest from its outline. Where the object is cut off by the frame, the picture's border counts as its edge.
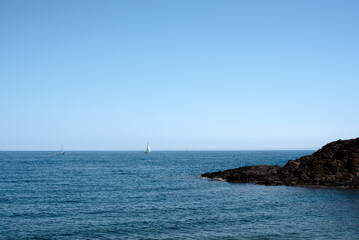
(334, 165)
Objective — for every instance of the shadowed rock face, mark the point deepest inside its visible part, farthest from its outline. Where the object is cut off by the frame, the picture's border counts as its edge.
(334, 165)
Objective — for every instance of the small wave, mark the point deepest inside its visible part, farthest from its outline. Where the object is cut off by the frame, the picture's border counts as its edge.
(215, 179)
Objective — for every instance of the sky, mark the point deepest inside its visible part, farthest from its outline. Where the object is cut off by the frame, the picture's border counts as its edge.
(197, 75)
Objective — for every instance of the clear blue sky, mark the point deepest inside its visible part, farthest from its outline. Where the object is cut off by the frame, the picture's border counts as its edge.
(205, 75)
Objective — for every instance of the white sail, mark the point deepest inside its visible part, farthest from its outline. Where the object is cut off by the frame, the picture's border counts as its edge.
(148, 149)
(62, 150)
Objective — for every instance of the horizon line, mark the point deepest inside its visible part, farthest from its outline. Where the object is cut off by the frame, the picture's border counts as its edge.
(198, 150)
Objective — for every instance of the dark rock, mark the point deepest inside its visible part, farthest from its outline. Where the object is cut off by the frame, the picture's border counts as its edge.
(261, 174)
(334, 165)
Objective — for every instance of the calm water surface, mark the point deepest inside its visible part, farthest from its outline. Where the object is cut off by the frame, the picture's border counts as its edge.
(130, 195)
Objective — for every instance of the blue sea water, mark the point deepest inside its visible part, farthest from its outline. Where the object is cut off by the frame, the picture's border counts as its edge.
(130, 195)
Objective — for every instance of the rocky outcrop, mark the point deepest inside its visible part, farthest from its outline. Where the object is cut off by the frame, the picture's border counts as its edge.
(334, 165)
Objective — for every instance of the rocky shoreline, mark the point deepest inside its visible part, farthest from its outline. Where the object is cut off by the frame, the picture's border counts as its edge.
(334, 165)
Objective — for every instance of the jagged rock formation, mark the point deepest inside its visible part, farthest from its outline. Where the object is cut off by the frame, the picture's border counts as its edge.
(334, 165)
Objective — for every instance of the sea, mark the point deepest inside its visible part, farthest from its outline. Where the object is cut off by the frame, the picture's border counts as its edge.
(131, 195)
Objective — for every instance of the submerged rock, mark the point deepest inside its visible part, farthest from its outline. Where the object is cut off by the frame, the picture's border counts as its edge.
(334, 165)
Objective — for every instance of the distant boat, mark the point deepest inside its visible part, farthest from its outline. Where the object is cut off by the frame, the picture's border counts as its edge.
(54, 154)
(62, 150)
(148, 149)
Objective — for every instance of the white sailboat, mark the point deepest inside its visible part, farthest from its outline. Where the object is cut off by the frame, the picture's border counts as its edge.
(148, 149)
(62, 150)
